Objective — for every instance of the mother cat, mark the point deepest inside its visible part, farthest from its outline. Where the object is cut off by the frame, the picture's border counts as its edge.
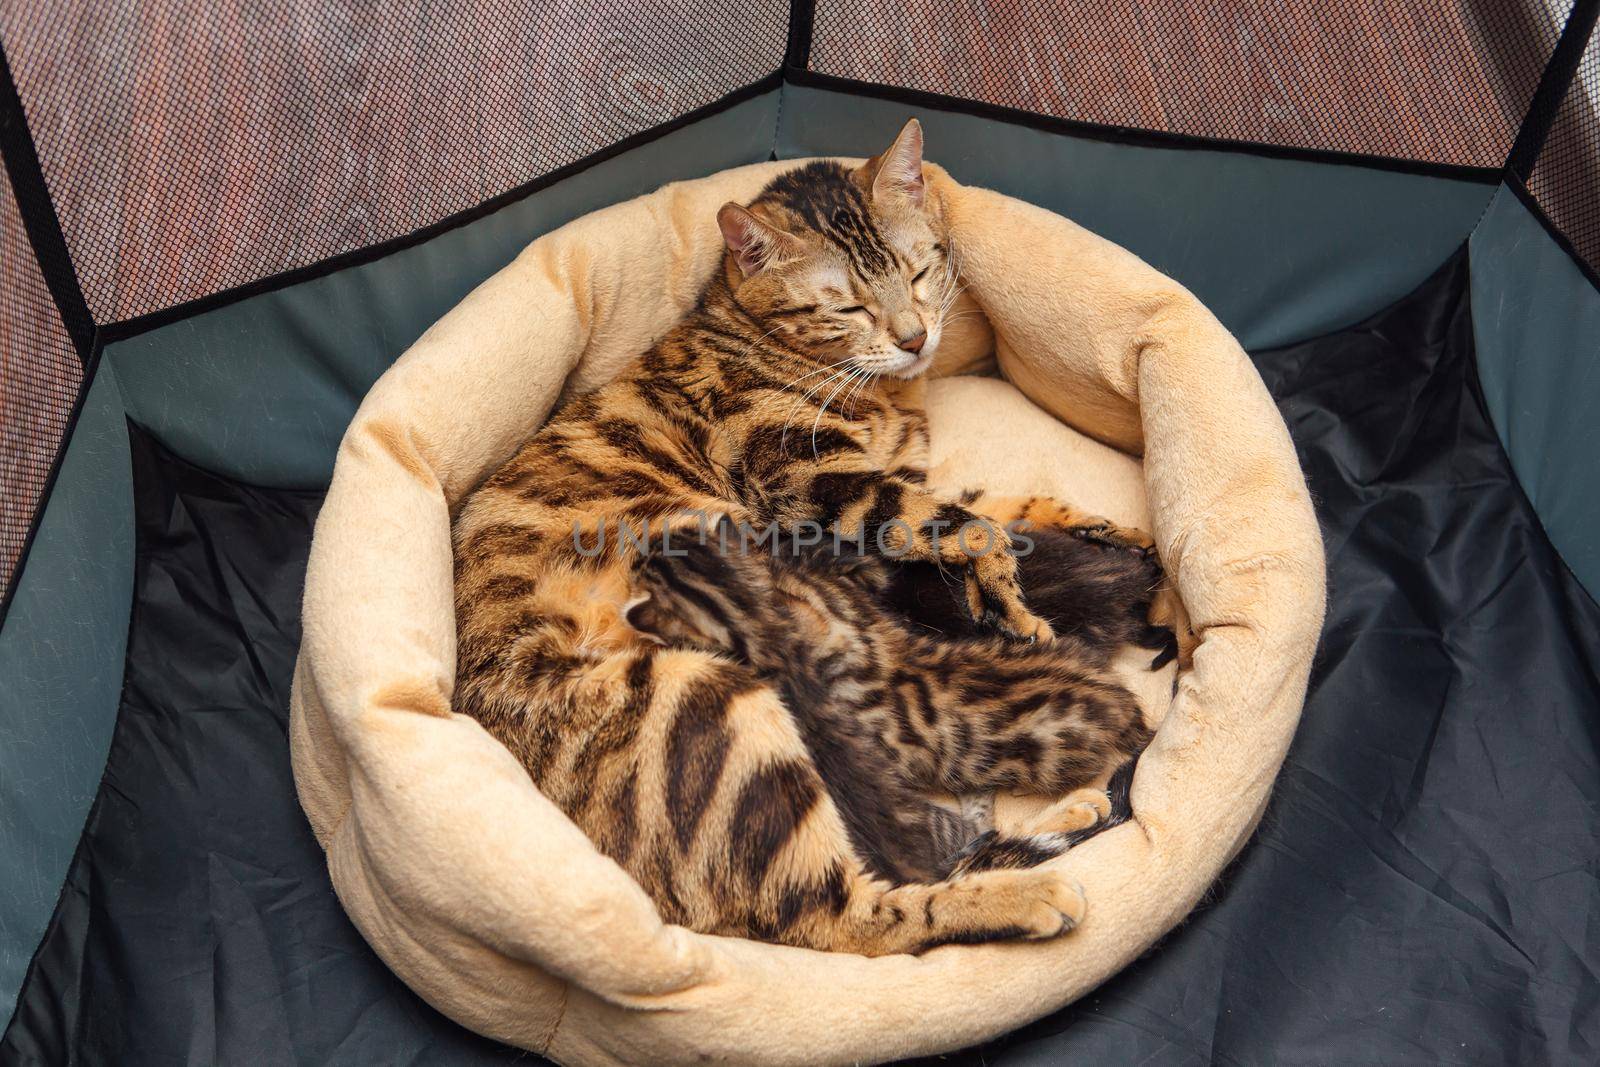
(682, 764)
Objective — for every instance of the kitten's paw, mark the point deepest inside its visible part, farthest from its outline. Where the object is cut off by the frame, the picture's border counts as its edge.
(1167, 615)
(1079, 810)
(995, 599)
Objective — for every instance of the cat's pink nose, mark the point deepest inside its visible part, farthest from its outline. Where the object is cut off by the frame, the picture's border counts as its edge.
(915, 341)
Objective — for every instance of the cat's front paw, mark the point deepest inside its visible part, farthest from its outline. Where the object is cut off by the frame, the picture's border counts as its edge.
(1024, 625)
(1123, 538)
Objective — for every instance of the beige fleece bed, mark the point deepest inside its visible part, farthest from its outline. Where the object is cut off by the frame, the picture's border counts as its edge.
(488, 902)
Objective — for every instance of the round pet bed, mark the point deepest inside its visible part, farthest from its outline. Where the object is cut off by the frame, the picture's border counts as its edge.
(483, 897)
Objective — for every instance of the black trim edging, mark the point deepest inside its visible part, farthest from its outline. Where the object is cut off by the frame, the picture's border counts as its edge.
(1557, 78)
(43, 227)
(14, 580)
(802, 15)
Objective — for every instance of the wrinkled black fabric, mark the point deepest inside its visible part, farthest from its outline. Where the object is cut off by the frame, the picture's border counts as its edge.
(1423, 888)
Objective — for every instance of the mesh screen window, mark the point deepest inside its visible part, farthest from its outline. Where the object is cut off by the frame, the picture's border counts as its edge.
(198, 145)
(1432, 80)
(39, 378)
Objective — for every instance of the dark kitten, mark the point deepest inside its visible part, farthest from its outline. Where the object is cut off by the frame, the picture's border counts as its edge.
(1085, 590)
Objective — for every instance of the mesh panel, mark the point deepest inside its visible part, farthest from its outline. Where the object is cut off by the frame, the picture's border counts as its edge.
(1566, 178)
(39, 376)
(198, 145)
(1433, 80)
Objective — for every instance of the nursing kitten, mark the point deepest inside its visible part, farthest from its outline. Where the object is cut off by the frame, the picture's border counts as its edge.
(1108, 601)
(891, 711)
(683, 764)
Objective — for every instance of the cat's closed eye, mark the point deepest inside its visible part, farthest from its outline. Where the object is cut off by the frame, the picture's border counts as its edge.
(857, 309)
(921, 283)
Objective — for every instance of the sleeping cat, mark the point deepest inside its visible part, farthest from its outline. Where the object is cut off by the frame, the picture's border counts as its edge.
(892, 710)
(683, 764)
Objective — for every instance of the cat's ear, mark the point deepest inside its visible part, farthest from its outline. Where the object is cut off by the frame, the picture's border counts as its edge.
(755, 245)
(898, 172)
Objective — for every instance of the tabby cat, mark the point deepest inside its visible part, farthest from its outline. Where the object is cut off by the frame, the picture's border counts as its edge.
(893, 711)
(683, 764)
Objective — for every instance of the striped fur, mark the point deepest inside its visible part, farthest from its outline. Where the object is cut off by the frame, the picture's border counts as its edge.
(788, 395)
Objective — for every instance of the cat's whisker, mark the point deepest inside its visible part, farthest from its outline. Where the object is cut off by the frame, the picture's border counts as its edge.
(751, 347)
(951, 296)
(815, 423)
(786, 391)
(819, 370)
(808, 394)
(847, 405)
(835, 376)
(866, 380)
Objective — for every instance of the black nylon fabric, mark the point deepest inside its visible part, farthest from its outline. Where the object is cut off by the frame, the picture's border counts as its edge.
(1423, 888)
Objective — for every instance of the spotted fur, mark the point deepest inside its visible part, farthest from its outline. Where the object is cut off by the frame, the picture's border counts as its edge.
(788, 395)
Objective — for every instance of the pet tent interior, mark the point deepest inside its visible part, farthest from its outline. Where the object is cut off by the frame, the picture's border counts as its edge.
(221, 223)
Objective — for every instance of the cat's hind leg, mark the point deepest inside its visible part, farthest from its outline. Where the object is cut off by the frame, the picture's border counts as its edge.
(969, 909)
(1043, 512)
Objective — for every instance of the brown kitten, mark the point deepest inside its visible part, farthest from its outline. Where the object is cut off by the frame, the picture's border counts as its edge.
(684, 765)
(892, 712)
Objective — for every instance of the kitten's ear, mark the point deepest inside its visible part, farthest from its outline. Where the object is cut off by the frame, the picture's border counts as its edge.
(755, 245)
(899, 170)
(639, 614)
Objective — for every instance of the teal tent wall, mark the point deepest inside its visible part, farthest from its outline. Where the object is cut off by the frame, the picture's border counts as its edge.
(61, 655)
(1536, 317)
